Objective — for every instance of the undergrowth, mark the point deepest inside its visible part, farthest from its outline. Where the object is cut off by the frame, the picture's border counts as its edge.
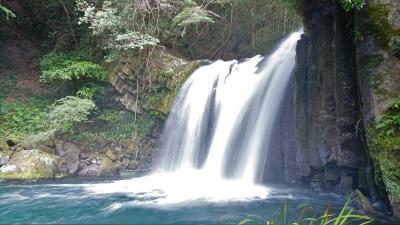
(21, 112)
(385, 147)
(112, 125)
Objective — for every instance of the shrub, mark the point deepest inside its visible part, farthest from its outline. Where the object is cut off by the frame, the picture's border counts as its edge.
(61, 68)
(65, 114)
(352, 4)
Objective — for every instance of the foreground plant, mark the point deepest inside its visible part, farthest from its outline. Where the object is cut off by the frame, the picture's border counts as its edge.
(345, 217)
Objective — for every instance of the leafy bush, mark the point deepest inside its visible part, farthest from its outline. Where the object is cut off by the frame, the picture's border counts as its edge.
(125, 25)
(70, 111)
(56, 67)
(352, 4)
(346, 216)
(72, 72)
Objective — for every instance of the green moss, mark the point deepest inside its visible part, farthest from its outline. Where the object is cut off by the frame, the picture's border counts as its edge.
(164, 103)
(380, 26)
(376, 80)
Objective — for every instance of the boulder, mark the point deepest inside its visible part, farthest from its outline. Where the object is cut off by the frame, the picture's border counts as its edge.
(110, 154)
(4, 157)
(91, 170)
(69, 158)
(30, 165)
(107, 167)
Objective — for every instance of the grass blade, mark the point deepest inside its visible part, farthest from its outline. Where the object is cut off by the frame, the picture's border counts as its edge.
(282, 216)
(342, 211)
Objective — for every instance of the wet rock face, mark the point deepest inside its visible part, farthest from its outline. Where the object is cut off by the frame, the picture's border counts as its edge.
(327, 109)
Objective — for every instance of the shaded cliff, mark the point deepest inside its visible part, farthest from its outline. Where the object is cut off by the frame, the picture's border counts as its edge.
(347, 72)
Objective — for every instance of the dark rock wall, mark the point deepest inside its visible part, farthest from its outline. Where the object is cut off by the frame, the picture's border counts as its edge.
(347, 70)
(327, 109)
(378, 63)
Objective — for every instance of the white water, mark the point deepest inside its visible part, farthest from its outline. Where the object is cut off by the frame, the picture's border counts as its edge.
(217, 135)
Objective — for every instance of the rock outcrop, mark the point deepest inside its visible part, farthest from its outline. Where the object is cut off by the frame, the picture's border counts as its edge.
(378, 63)
(347, 71)
(327, 107)
(150, 82)
(30, 165)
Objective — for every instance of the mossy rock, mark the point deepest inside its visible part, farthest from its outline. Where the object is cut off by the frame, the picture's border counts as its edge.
(107, 167)
(4, 146)
(31, 165)
(380, 25)
(181, 74)
(110, 154)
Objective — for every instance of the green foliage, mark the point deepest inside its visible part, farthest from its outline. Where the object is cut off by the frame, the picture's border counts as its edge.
(346, 216)
(72, 73)
(352, 4)
(123, 26)
(90, 90)
(21, 117)
(191, 14)
(65, 114)
(243, 28)
(61, 67)
(385, 145)
(143, 126)
(110, 116)
(8, 13)
(386, 131)
(121, 126)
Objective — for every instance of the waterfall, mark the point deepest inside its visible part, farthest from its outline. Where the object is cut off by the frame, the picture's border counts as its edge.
(216, 138)
(221, 123)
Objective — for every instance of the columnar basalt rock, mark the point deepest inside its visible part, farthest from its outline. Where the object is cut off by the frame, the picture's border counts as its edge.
(327, 110)
(347, 71)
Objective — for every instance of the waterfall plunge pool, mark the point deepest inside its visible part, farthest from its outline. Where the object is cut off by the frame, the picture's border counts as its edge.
(124, 201)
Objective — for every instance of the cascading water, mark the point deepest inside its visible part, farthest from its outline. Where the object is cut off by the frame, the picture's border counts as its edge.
(216, 138)
(223, 117)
